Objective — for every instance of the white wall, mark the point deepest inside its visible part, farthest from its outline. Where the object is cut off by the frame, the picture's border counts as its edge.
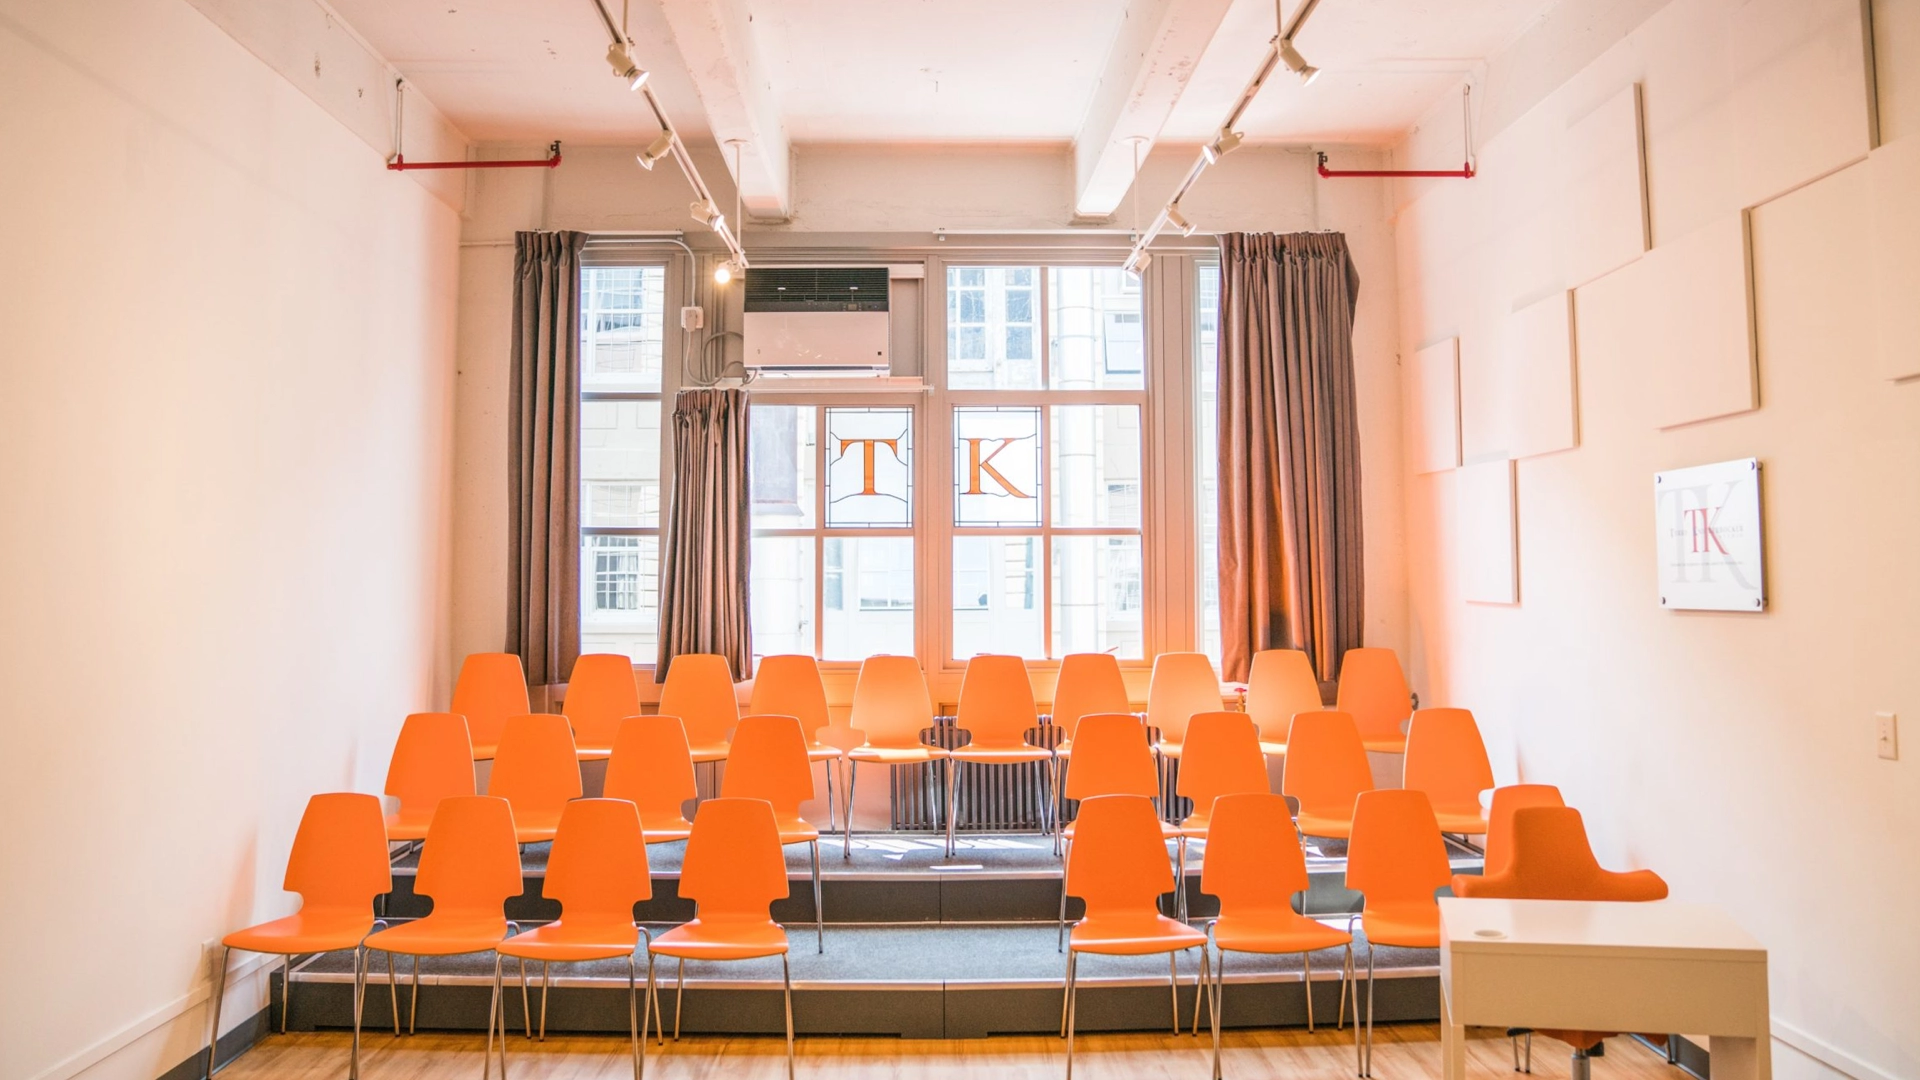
(896, 198)
(226, 343)
(1733, 753)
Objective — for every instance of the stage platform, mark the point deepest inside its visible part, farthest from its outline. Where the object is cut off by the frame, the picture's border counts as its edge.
(916, 944)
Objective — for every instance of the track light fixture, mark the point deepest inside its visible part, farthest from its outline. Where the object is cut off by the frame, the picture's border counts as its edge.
(1297, 64)
(1175, 219)
(655, 151)
(1139, 262)
(1221, 146)
(708, 214)
(725, 272)
(620, 57)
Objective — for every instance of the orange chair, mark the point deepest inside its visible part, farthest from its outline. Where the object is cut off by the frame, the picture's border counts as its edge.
(492, 686)
(537, 771)
(597, 873)
(1256, 874)
(996, 711)
(1506, 802)
(1183, 683)
(1398, 860)
(734, 871)
(600, 693)
(1280, 684)
(432, 760)
(789, 685)
(339, 867)
(1088, 683)
(891, 708)
(470, 867)
(1326, 770)
(1222, 757)
(1119, 868)
(699, 690)
(652, 768)
(1446, 759)
(769, 762)
(1373, 690)
(1113, 759)
(1552, 860)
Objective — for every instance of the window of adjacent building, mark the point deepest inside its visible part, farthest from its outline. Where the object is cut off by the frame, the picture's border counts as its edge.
(622, 323)
(1206, 356)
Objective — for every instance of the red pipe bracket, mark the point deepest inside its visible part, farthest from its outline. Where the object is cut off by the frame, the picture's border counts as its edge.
(1465, 172)
(552, 160)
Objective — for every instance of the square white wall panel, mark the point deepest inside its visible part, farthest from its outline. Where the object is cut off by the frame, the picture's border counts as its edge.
(1695, 296)
(1603, 175)
(1539, 345)
(1487, 544)
(1894, 173)
(1432, 385)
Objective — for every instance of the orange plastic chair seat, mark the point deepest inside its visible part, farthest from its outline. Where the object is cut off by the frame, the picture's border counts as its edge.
(1064, 748)
(485, 751)
(1327, 825)
(662, 831)
(305, 932)
(1001, 755)
(1460, 820)
(407, 825)
(449, 936)
(1409, 926)
(822, 752)
(704, 939)
(897, 755)
(1169, 749)
(1133, 935)
(535, 826)
(795, 829)
(564, 942)
(593, 753)
(1273, 749)
(1386, 746)
(709, 752)
(1276, 932)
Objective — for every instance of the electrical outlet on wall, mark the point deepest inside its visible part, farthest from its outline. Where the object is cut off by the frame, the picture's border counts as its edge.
(693, 318)
(1886, 728)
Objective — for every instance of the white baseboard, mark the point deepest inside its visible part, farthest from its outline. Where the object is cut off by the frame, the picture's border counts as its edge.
(134, 1030)
(1826, 1053)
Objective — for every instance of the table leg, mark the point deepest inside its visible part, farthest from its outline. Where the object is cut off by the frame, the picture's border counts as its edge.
(1453, 1043)
(1742, 1059)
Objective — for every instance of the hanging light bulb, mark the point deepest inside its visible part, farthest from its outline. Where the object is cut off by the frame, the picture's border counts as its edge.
(620, 58)
(723, 273)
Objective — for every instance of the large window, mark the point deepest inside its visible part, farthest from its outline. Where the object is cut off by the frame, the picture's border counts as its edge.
(1206, 363)
(1045, 394)
(621, 333)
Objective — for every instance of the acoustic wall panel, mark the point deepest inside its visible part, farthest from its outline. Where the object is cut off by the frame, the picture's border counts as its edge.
(1604, 179)
(1894, 173)
(1487, 544)
(1539, 346)
(1433, 407)
(1695, 298)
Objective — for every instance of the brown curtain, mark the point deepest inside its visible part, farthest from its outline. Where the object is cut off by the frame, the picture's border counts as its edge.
(703, 595)
(1290, 537)
(543, 477)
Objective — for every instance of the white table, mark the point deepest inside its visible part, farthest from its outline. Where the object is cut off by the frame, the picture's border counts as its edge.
(1663, 966)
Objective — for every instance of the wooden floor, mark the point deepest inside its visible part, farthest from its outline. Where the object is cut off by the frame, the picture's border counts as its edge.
(1400, 1051)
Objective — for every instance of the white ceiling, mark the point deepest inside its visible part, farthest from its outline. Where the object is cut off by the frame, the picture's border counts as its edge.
(929, 70)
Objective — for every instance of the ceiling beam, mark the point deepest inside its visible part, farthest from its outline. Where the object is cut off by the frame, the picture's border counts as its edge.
(1152, 60)
(715, 39)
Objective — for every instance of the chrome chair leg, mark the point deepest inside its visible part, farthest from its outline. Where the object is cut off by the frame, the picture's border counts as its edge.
(819, 913)
(1201, 982)
(853, 777)
(679, 994)
(653, 1002)
(393, 995)
(1180, 882)
(1346, 980)
(413, 1009)
(1066, 991)
(1173, 987)
(219, 993)
(526, 1006)
(1366, 1064)
(1219, 994)
(1306, 984)
(546, 987)
(359, 999)
(827, 768)
(1073, 995)
(495, 1018)
(636, 1024)
(786, 990)
(953, 801)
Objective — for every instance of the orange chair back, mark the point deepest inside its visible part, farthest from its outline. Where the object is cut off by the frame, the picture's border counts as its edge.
(1183, 683)
(432, 760)
(600, 693)
(1553, 860)
(1280, 684)
(536, 768)
(1326, 765)
(791, 686)
(598, 868)
(1118, 862)
(1111, 757)
(1447, 760)
(734, 868)
(1221, 757)
(1254, 862)
(1506, 802)
(470, 863)
(1396, 854)
(890, 702)
(996, 702)
(1089, 683)
(1373, 690)
(652, 769)
(491, 687)
(699, 690)
(339, 857)
(769, 761)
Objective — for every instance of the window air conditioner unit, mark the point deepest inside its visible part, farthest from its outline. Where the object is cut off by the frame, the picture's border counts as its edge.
(813, 321)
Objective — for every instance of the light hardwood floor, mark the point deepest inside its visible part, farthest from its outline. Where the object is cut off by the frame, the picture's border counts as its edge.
(1401, 1052)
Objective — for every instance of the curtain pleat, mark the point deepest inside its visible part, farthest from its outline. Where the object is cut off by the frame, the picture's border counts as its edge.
(543, 478)
(1289, 495)
(703, 594)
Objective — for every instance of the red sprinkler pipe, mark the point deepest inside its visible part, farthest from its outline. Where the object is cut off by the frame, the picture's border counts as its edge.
(401, 164)
(1465, 172)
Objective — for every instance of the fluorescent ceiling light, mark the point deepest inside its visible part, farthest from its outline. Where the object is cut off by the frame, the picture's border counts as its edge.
(656, 150)
(1297, 64)
(620, 57)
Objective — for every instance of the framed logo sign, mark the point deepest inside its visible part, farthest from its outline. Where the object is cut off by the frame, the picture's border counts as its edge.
(1707, 536)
